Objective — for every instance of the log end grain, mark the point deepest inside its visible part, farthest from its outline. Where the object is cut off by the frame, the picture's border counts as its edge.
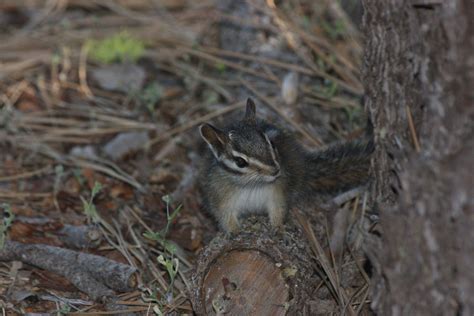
(235, 283)
(255, 272)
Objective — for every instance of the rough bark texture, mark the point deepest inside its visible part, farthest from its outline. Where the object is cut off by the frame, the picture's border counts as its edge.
(419, 63)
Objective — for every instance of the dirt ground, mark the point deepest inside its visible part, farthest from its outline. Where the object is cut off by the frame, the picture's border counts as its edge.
(99, 107)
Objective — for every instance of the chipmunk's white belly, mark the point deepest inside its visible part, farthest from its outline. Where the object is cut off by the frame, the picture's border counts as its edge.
(254, 199)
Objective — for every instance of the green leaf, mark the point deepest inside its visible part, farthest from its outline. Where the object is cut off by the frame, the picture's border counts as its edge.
(170, 247)
(175, 213)
(96, 189)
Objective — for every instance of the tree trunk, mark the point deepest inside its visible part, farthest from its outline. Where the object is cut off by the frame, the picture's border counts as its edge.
(419, 77)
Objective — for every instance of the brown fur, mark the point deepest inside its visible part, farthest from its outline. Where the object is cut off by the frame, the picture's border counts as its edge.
(303, 175)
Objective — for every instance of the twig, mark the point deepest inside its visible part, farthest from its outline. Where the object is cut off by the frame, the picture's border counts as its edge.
(224, 62)
(83, 72)
(182, 128)
(23, 195)
(210, 82)
(111, 170)
(412, 129)
(323, 260)
(314, 140)
(127, 311)
(25, 175)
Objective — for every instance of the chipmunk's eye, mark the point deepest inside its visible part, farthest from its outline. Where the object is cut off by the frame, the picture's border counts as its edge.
(240, 162)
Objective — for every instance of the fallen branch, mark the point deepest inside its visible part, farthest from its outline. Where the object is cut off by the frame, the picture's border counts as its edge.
(94, 275)
(79, 237)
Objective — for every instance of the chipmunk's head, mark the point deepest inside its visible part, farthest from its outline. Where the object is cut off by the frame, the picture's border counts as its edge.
(244, 150)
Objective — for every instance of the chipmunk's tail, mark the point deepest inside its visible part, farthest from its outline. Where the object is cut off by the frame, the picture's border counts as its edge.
(340, 167)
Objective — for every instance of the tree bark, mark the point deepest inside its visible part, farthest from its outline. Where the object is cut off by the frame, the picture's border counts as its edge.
(419, 79)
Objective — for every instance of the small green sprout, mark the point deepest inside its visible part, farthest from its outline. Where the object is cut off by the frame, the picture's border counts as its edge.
(161, 235)
(121, 47)
(221, 67)
(172, 267)
(89, 207)
(79, 177)
(335, 29)
(64, 310)
(166, 259)
(331, 90)
(353, 113)
(151, 95)
(170, 217)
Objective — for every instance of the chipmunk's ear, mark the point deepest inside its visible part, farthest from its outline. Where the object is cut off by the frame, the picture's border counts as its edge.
(215, 138)
(250, 112)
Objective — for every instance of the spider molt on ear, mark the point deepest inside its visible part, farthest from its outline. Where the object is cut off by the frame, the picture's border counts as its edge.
(250, 112)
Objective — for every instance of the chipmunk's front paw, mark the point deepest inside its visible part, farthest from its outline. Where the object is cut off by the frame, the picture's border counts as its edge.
(230, 225)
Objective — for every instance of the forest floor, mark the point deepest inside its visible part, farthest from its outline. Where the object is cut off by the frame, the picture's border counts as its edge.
(99, 107)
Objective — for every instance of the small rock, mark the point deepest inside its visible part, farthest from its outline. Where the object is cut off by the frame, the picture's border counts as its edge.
(120, 77)
(125, 143)
(289, 88)
(83, 152)
(21, 295)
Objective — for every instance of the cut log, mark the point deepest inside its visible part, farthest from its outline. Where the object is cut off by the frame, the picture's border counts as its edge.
(255, 272)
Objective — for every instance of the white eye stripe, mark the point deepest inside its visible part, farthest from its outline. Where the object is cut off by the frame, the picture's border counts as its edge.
(231, 165)
(253, 161)
(272, 151)
(240, 155)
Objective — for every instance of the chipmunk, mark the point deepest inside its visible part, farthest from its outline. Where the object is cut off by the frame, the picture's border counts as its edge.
(254, 166)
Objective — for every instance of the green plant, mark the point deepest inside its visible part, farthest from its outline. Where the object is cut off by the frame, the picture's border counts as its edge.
(160, 236)
(79, 177)
(64, 310)
(323, 65)
(167, 259)
(120, 47)
(6, 223)
(353, 113)
(172, 267)
(150, 95)
(221, 67)
(89, 206)
(331, 90)
(335, 29)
